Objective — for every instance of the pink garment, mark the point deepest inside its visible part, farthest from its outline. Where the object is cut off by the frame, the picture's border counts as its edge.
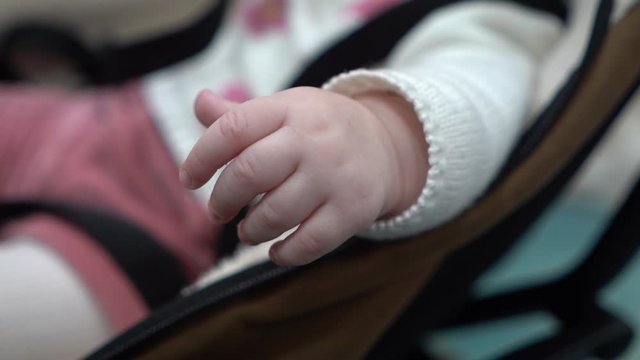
(263, 16)
(98, 148)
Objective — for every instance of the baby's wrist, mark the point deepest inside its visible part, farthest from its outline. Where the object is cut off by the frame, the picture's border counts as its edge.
(407, 137)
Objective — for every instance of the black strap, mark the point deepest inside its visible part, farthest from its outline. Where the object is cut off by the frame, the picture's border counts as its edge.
(109, 64)
(548, 117)
(374, 41)
(153, 270)
(119, 64)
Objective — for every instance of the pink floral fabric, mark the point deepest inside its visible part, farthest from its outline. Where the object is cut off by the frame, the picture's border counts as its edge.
(263, 16)
(236, 91)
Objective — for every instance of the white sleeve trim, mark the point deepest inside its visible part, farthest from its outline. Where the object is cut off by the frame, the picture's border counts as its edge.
(361, 81)
(462, 153)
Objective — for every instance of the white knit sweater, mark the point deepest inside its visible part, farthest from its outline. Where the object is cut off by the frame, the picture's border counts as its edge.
(468, 69)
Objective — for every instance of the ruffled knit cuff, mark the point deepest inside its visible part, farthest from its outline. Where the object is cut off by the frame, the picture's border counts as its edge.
(445, 193)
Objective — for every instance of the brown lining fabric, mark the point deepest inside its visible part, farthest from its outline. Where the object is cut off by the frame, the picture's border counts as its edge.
(336, 309)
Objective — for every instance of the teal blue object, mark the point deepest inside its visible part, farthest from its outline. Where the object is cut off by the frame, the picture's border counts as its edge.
(560, 240)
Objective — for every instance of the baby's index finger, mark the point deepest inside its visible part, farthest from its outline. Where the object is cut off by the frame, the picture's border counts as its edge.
(233, 132)
(208, 107)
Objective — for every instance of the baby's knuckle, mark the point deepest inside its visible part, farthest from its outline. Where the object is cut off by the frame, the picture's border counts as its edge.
(361, 204)
(292, 135)
(333, 159)
(351, 212)
(311, 245)
(363, 189)
(234, 124)
(270, 217)
(198, 161)
(318, 125)
(245, 170)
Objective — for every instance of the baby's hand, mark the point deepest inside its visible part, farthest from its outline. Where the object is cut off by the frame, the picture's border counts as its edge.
(323, 160)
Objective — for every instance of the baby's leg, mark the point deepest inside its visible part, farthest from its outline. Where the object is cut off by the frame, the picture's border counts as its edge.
(46, 312)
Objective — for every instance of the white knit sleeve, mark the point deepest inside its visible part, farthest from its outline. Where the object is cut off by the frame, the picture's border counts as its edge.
(469, 72)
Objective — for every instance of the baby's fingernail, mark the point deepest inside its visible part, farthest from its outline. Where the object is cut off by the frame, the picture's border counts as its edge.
(186, 179)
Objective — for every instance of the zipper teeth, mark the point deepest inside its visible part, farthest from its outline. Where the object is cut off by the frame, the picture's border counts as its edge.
(205, 302)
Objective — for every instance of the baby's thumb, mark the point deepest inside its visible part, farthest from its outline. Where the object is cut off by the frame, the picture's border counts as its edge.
(209, 107)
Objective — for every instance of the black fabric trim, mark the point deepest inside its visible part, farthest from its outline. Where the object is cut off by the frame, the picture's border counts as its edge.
(551, 113)
(153, 270)
(115, 64)
(166, 320)
(112, 64)
(49, 39)
(374, 41)
(124, 63)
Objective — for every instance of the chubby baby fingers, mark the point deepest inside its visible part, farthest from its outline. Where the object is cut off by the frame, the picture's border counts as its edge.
(228, 136)
(321, 233)
(260, 168)
(280, 210)
(208, 107)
